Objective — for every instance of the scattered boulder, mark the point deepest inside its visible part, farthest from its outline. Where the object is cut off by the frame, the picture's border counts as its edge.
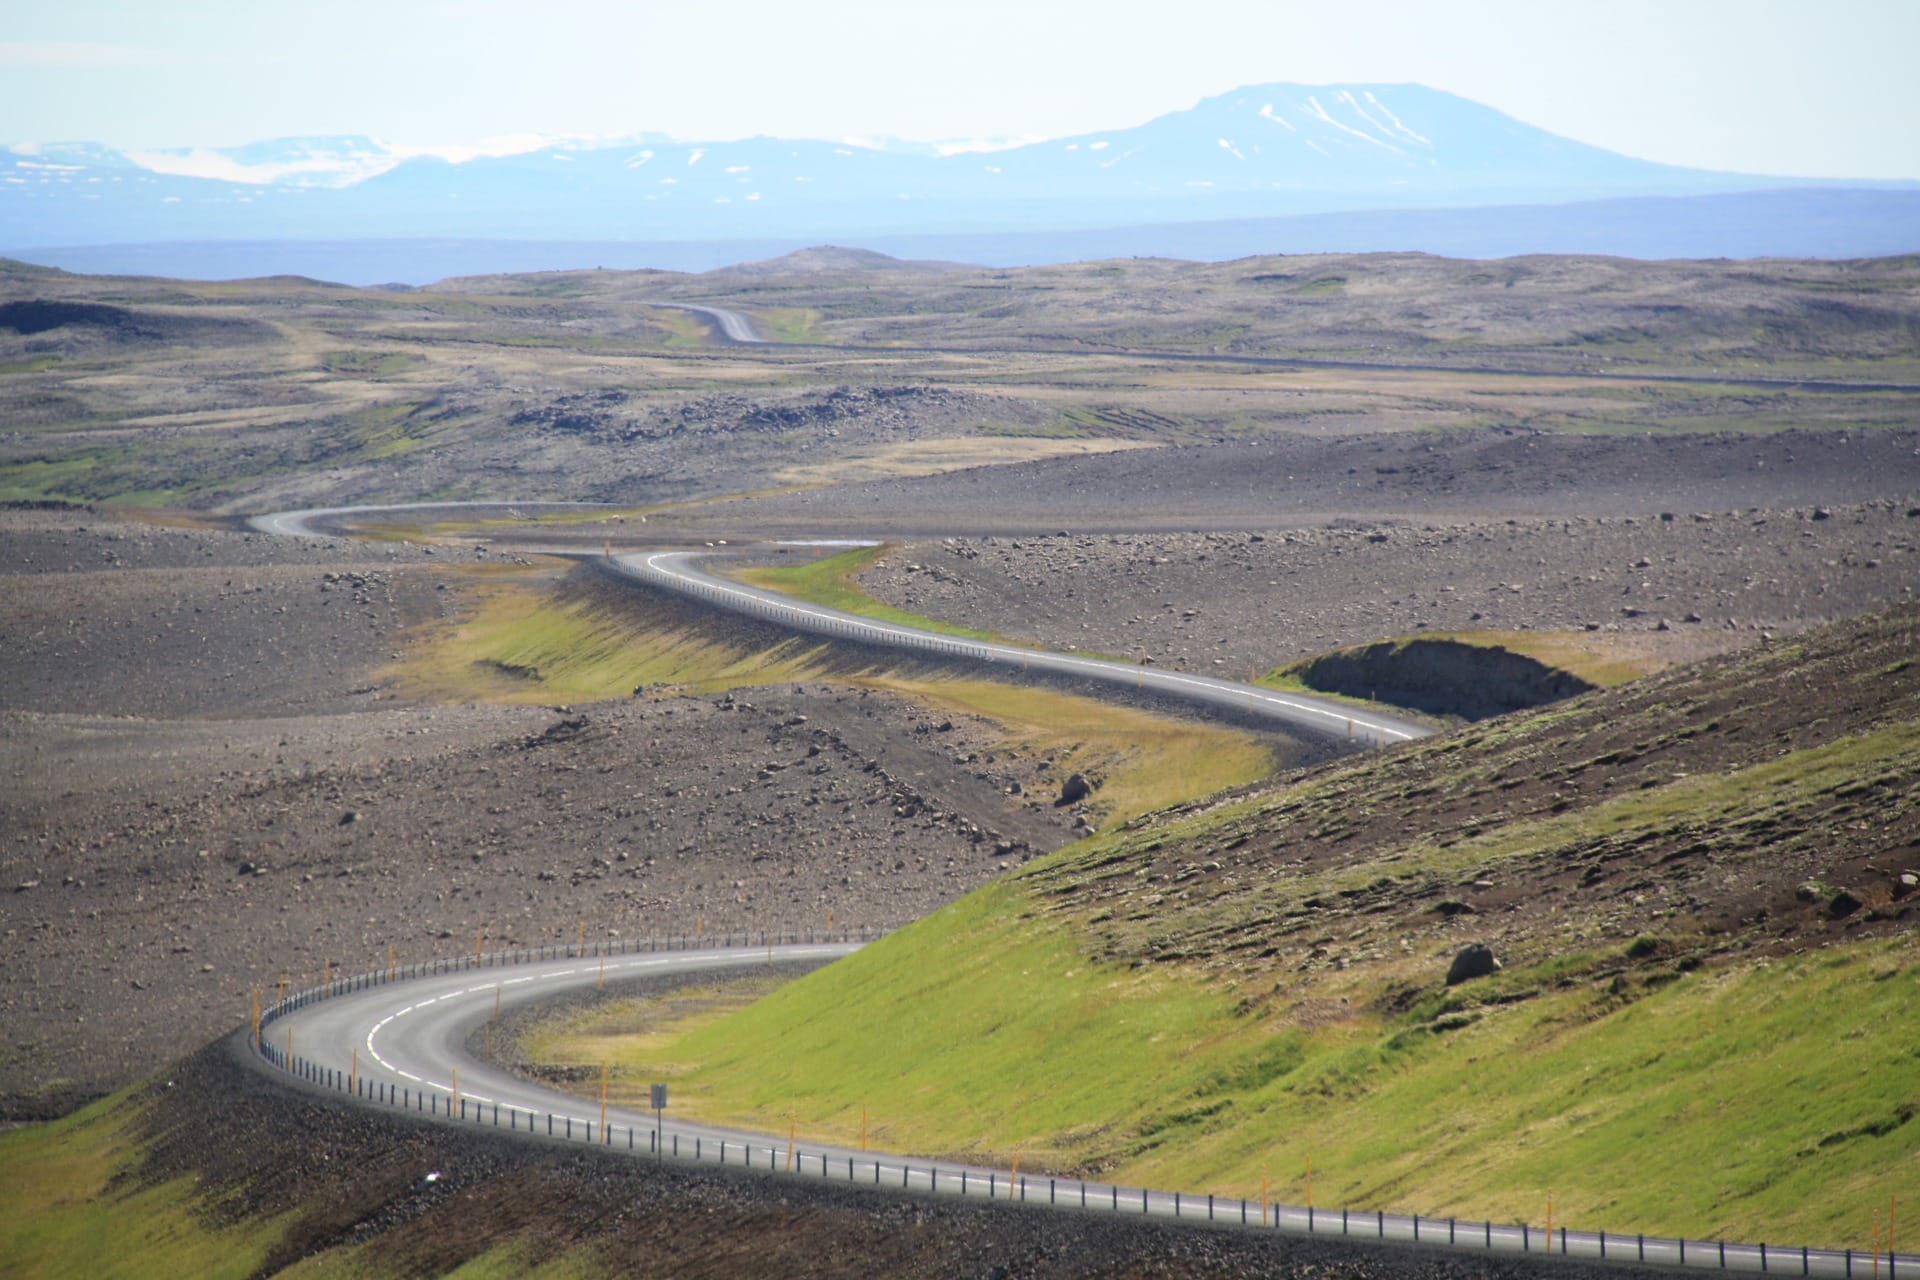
(1473, 961)
(1075, 789)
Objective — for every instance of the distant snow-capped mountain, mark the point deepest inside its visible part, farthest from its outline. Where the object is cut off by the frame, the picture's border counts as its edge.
(1261, 151)
(301, 162)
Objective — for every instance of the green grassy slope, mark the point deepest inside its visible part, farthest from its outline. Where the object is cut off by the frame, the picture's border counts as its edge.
(68, 1208)
(829, 582)
(1704, 1024)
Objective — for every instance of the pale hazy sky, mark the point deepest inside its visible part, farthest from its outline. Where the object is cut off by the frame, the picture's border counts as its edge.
(1801, 87)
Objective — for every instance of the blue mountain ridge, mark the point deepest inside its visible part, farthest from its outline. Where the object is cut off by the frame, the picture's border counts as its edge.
(1264, 151)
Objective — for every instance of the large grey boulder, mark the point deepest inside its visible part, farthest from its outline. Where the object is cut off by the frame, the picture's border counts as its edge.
(1474, 961)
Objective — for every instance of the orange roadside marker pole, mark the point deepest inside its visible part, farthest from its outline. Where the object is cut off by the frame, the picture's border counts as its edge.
(603, 1099)
(256, 1019)
(1263, 1197)
(389, 962)
(791, 1126)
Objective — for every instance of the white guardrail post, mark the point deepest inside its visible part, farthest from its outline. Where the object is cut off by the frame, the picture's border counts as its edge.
(449, 1106)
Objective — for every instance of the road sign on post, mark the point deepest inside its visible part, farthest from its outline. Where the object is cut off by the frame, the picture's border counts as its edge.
(659, 1104)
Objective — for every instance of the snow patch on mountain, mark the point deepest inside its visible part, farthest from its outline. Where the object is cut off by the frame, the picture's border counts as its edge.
(1395, 121)
(1267, 113)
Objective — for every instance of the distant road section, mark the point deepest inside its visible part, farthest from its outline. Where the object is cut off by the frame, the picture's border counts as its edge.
(1320, 718)
(735, 328)
(300, 524)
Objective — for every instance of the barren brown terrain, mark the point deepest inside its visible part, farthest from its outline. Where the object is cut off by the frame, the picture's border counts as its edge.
(210, 783)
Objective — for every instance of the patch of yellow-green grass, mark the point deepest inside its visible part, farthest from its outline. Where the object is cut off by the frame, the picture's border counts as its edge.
(1771, 1100)
(941, 454)
(65, 1210)
(369, 364)
(787, 324)
(613, 517)
(1600, 659)
(633, 1035)
(829, 582)
(1140, 761)
(682, 328)
(519, 643)
(388, 430)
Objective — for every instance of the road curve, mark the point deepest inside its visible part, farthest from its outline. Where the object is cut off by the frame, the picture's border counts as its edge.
(299, 524)
(1321, 718)
(401, 1040)
(735, 328)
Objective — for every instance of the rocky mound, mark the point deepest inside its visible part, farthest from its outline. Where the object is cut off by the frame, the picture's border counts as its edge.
(1441, 677)
(1763, 800)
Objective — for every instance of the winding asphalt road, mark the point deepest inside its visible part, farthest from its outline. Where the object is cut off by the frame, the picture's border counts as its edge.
(401, 1039)
(300, 524)
(735, 328)
(1317, 717)
(676, 571)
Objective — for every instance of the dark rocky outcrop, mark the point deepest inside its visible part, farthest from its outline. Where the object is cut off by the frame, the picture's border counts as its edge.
(1475, 960)
(1441, 677)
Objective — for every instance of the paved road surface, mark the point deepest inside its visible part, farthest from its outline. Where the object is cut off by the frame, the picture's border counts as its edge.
(300, 524)
(1319, 717)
